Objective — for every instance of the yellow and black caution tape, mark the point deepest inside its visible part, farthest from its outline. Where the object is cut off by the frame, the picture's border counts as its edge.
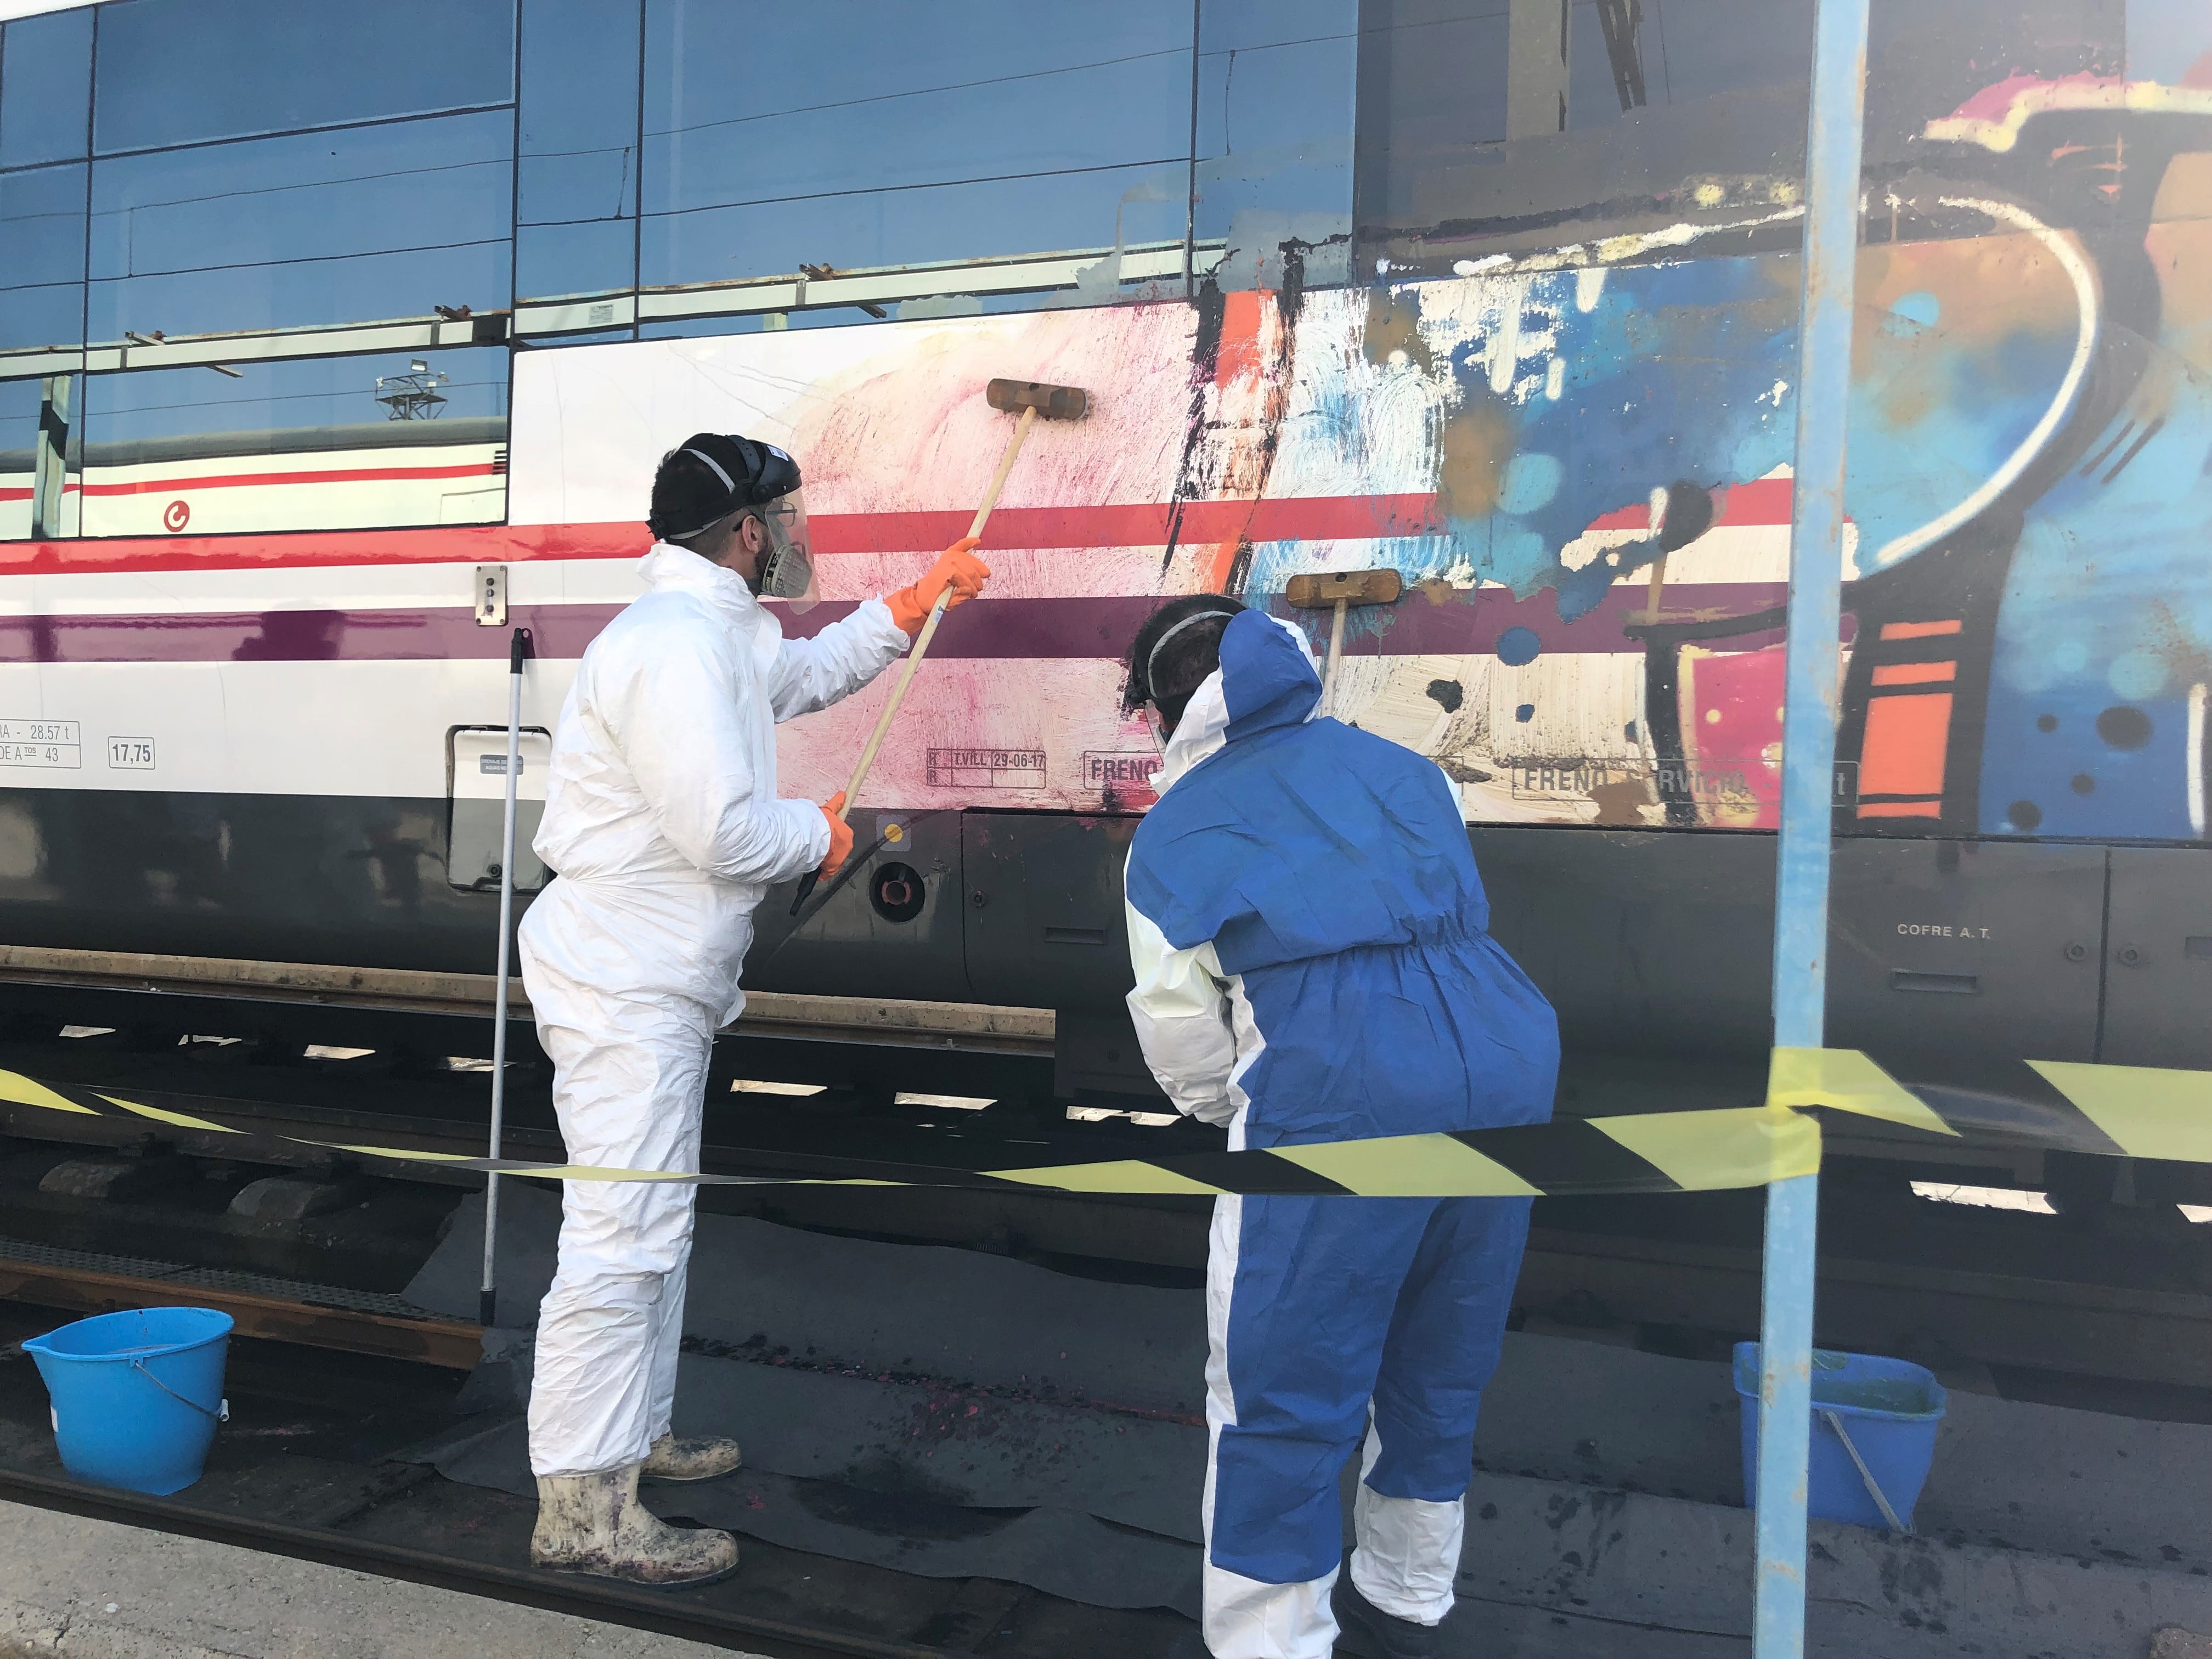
(1652, 1152)
(2116, 1110)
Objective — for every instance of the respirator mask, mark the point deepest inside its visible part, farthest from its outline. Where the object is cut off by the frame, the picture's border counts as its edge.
(786, 566)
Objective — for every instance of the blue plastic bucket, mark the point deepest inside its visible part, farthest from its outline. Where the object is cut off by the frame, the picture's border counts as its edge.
(136, 1395)
(1887, 1410)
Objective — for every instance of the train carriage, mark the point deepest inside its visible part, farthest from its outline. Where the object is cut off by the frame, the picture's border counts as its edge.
(258, 586)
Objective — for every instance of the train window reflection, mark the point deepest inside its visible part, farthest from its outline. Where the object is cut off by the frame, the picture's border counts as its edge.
(366, 223)
(576, 192)
(42, 273)
(18, 428)
(1492, 126)
(872, 136)
(182, 71)
(1275, 89)
(322, 444)
(46, 87)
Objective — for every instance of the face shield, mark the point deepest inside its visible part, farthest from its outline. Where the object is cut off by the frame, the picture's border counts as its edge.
(786, 568)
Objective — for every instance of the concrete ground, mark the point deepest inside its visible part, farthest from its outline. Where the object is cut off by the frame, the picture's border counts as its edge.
(74, 1588)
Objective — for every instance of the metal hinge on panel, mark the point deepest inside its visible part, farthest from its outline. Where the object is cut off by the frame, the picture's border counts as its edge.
(491, 596)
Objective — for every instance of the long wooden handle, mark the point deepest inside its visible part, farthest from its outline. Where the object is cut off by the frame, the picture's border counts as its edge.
(936, 614)
(1335, 650)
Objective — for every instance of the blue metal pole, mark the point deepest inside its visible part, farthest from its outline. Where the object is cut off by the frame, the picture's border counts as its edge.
(1809, 753)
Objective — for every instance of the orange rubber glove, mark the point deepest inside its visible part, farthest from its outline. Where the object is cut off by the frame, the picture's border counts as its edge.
(957, 569)
(841, 836)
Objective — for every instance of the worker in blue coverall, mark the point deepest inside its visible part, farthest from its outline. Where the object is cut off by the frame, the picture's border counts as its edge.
(1313, 963)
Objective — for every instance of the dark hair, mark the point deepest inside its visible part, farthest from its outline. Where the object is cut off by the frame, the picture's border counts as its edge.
(1164, 671)
(687, 497)
(709, 477)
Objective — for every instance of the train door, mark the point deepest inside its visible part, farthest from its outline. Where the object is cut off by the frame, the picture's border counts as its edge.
(475, 800)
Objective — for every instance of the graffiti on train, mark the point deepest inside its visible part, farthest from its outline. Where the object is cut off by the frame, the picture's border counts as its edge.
(1580, 462)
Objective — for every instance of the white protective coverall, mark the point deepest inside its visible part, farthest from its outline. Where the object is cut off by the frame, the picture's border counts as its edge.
(662, 820)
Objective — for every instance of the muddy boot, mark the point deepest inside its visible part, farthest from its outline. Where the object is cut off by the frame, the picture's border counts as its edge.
(594, 1523)
(1366, 1630)
(699, 1459)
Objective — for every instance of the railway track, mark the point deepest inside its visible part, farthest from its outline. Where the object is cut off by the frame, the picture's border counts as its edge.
(1991, 1301)
(1999, 1290)
(1655, 1271)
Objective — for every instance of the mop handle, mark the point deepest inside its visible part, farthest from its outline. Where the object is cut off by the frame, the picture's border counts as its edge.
(487, 1295)
(936, 613)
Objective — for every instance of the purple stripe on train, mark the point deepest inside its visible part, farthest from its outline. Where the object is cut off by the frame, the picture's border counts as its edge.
(1427, 622)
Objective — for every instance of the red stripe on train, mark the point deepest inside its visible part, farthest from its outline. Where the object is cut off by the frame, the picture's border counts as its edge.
(249, 480)
(244, 480)
(1761, 501)
(1316, 518)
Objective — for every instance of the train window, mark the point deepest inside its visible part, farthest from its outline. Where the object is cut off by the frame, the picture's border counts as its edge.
(19, 431)
(46, 87)
(350, 226)
(42, 277)
(1528, 122)
(322, 443)
(1923, 61)
(182, 71)
(576, 194)
(847, 136)
(1276, 80)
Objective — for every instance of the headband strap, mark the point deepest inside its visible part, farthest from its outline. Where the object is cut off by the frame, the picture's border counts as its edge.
(715, 467)
(1153, 655)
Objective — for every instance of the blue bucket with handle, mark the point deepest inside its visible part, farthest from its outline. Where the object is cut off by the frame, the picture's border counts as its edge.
(136, 1395)
(1874, 1422)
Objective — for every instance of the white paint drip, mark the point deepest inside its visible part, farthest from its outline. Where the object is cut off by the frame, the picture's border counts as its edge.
(1588, 285)
(1614, 249)
(1555, 378)
(2084, 343)
(1505, 342)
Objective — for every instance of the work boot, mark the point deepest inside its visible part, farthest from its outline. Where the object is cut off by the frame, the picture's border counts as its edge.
(1364, 1630)
(594, 1523)
(702, 1458)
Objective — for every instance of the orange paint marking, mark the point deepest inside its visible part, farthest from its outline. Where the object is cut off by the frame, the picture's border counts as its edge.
(1905, 741)
(1915, 673)
(1902, 809)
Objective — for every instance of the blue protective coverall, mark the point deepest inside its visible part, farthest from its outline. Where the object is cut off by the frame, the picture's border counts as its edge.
(1313, 963)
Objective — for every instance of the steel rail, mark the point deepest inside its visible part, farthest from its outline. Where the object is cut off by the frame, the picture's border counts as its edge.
(965, 1027)
(602, 1600)
(256, 1309)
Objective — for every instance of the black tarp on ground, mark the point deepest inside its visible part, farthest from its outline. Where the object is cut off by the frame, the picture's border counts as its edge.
(1063, 1552)
(908, 1308)
(868, 1357)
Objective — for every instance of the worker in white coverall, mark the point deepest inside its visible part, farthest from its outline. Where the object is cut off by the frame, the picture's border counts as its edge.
(663, 823)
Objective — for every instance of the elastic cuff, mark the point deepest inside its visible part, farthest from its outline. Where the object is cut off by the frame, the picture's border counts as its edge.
(814, 840)
(898, 605)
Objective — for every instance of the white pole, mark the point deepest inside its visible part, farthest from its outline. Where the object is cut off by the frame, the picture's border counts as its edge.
(488, 1297)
